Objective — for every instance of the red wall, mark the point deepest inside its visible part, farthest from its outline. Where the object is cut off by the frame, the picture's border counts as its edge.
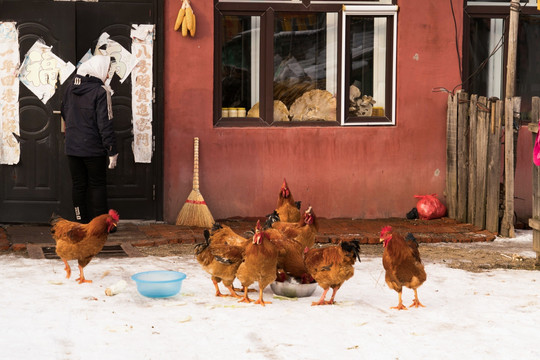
(356, 172)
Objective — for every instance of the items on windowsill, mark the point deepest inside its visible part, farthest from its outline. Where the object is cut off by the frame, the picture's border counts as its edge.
(233, 112)
(377, 111)
(314, 105)
(360, 105)
(281, 113)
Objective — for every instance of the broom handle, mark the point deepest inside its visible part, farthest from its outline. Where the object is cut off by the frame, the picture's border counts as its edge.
(196, 164)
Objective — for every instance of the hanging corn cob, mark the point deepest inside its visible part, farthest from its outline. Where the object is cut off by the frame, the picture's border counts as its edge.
(180, 17)
(185, 19)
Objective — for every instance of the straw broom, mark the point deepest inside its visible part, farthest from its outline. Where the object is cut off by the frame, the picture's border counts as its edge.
(195, 212)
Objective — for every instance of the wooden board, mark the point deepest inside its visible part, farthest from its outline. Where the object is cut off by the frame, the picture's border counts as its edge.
(462, 156)
(481, 142)
(494, 168)
(451, 156)
(471, 196)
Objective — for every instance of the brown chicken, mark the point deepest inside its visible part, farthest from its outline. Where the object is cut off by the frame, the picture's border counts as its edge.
(290, 255)
(291, 239)
(304, 231)
(81, 242)
(401, 260)
(220, 260)
(260, 263)
(331, 266)
(223, 234)
(287, 209)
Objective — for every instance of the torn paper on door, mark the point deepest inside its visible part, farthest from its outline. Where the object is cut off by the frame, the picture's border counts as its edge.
(142, 93)
(9, 94)
(41, 69)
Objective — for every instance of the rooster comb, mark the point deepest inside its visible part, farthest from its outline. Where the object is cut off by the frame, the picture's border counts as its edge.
(386, 230)
(114, 215)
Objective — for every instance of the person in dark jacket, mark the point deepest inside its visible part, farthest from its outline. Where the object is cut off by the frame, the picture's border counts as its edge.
(90, 139)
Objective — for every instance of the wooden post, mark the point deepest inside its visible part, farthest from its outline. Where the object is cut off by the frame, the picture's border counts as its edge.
(507, 225)
(471, 198)
(451, 154)
(462, 155)
(534, 221)
(494, 167)
(481, 143)
(512, 49)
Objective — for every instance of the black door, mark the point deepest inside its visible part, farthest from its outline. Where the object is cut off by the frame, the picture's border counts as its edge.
(40, 183)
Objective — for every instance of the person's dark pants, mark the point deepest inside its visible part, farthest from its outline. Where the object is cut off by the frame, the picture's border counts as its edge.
(89, 192)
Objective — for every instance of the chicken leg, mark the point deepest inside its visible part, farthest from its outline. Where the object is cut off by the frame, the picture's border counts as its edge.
(321, 300)
(261, 301)
(220, 294)
(400, 305)
(416, 303)
(334, 291)
(246, 298)
(67, 268)
(81, 278)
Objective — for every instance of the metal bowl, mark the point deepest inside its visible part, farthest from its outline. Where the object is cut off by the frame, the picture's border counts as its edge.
(293, 289)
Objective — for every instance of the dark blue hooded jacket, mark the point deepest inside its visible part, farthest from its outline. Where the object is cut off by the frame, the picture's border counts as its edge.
(89, 132)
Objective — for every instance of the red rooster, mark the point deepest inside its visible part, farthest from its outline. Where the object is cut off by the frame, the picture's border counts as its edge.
(401, 260)
(287, 209)
(81, 242)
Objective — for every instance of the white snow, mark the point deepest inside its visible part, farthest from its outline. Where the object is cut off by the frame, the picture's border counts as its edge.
(43, 315)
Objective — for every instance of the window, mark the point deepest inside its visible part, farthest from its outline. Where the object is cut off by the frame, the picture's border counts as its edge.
(287, 63)
(485, 51)
(369, 65)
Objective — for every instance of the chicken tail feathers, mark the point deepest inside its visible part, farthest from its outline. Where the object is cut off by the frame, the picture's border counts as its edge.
(271, 218)
(54, 218)
(298, 204)
(411, 239)
(353, 247)
(199, 248)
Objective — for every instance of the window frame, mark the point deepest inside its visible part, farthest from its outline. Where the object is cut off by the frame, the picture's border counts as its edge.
(390, 12)
(266, 11)
(490, 10)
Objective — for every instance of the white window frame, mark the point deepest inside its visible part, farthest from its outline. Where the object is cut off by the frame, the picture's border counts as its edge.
(386, 10)
(498, 3)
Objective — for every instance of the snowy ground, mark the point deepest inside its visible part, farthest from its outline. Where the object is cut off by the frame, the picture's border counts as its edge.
(492, 315)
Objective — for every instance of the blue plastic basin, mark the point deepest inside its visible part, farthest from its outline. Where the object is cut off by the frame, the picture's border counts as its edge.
(159, 284)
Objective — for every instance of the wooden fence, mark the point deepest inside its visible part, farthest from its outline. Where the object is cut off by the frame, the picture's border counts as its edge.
(534, 222)
(476, 190)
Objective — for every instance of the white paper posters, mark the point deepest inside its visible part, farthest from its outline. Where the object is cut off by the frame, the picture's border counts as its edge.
(9, 94)
(142, 95)
(40, 70)
(123, 62)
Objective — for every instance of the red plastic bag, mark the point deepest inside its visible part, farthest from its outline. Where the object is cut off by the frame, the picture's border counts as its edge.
(430, 207)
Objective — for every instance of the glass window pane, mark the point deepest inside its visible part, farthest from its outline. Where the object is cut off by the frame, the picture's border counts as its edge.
(486, 59)
(367, 91)
(527, 69)
(305, 66)
(240, 65)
